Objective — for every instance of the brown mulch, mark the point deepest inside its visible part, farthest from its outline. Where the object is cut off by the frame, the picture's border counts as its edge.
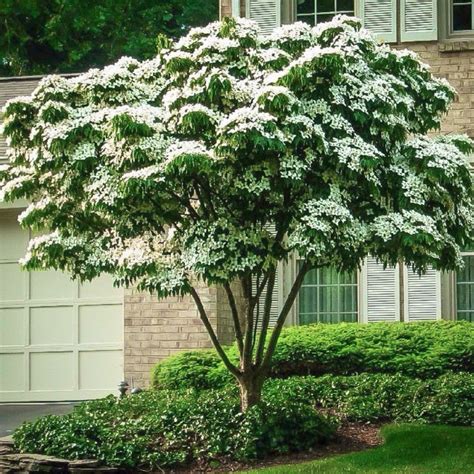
(350, 437)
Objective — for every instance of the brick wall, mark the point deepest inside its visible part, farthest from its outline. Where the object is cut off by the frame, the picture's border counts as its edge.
(455, 62)
(155, 329)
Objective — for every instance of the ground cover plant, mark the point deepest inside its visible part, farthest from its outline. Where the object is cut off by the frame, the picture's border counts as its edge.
(406, 449)
(175, 428)
(172, 428)
(228, 153)
(419, 350)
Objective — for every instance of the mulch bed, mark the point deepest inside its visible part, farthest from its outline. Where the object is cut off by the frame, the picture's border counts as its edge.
(350, 437)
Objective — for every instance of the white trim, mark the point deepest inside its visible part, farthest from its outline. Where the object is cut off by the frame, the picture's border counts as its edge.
(469, 253)
(18, 204)
(236, 8)
(362, 294)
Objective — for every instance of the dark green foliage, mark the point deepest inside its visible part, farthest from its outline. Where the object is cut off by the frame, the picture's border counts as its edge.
(166, 428)
(448, 399)
(423, 350)
(45, 36)
(201, 370)
(417, 349)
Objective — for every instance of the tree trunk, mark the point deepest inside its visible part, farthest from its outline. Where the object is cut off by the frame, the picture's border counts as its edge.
(250, 390)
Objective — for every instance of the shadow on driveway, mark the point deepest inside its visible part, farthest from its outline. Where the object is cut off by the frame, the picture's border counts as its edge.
(12, 416)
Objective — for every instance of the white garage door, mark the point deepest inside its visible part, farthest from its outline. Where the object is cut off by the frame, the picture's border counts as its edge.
(59, 340)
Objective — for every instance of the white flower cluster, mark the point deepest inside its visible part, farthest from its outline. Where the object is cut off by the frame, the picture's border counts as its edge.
(224, 132)
(407, 222)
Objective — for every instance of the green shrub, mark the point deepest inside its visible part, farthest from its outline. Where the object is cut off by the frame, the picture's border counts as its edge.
(422, 350)
(200, 369)
(173, 428)
(448, 399)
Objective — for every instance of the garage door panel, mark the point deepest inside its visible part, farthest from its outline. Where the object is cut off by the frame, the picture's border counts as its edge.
(12, 372)
(12, 327)
(99, 369)
(100, 324)
(51, 371)
(13, 240)
(51, 325)
(59, 340)
(51, 285)
(101, 287)
(12, 282)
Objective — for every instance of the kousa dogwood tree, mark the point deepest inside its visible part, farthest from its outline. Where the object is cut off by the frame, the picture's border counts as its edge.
(231, 151)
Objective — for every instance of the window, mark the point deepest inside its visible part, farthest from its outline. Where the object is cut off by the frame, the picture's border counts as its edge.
(328, 296)
(462, 17)
(318, 11)
(465, 289)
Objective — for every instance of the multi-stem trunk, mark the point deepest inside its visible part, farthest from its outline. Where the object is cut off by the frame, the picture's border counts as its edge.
(255, 351)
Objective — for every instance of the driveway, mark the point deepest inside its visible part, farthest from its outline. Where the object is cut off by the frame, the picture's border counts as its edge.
(12, 416)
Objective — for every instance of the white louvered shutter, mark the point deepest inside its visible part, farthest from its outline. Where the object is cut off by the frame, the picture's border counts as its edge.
(276, 300)
(381, 292)
(380, 17)
(419, 20)
(422, 295)
(267, 13)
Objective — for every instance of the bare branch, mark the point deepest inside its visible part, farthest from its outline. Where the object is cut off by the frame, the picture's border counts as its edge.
(247, 353)
(235, 318)
(261, 287)
(266, 315)
(282, 316)
(207, 324)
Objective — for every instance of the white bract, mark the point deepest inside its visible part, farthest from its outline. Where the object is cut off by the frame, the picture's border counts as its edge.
(170, 170)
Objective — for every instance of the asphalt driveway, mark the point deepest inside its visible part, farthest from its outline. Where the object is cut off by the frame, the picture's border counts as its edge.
(12, 416)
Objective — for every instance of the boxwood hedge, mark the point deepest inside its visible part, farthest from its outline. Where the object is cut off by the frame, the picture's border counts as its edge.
(422, 350)
(447, 399)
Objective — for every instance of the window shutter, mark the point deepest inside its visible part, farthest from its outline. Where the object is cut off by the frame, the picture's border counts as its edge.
(419, 20)
(422, 295)
(381, 292)
(267, 13)
(380, 17)
(276, 300)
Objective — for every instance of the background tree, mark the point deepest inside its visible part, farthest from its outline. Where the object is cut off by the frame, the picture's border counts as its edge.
(47, 36)
(229, 152)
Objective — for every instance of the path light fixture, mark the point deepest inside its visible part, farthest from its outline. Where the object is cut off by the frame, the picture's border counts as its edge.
(122, 388)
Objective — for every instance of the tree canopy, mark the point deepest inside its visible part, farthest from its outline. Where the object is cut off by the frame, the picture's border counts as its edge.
(229, 152)
(47, 36)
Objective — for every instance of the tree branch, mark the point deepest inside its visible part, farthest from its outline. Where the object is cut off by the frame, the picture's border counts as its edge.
(235, 318)
(261, 287)
(186, 204)
(202, 313)
(247, 353)
(266, 316)
(282, 316)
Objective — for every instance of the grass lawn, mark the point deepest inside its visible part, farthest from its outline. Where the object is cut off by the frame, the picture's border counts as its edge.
(407, 449)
